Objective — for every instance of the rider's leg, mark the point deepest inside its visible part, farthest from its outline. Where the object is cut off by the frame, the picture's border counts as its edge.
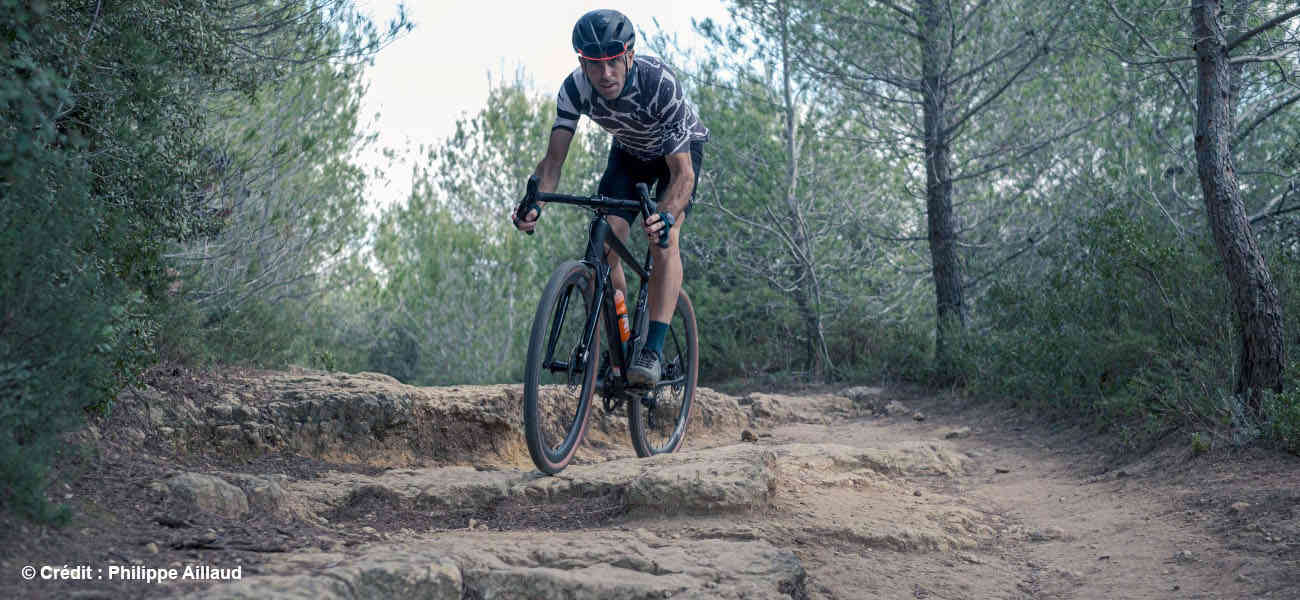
(666, 280)
(665, 284)
(620, 228)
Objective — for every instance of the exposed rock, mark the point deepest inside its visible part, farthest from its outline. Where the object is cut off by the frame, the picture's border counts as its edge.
(395, 574)
(918, 416)
(868, 399)
(728, 478)
(798, 409)
(265, 494)
(896, 409)
(364, 418)
(208, 493)
(958, 433)
(584, 565)
(717, 411)
(1046, 534)
(917, 458)
(748, 436)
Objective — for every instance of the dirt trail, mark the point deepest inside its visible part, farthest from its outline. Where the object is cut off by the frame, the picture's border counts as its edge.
(1077, 527)
(327, 485)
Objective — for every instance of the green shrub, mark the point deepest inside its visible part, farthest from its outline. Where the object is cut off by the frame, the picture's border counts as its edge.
(1281, 413)
(1131, 325)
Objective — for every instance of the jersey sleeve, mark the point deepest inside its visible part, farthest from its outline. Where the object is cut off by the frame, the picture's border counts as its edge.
(569, 105)
(674, 115)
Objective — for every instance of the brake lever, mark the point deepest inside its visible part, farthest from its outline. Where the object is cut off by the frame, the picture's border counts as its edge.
(529, 202)
(649, 207)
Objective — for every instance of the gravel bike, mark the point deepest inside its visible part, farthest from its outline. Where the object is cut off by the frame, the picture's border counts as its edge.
(560, 376)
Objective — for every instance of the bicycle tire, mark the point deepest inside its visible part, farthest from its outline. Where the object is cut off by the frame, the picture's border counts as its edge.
(672, 407)
(544, 422)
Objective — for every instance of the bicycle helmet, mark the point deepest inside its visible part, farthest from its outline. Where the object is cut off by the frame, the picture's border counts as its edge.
(603, 35)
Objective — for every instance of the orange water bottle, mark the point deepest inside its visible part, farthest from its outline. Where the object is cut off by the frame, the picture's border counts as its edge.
(620, 310)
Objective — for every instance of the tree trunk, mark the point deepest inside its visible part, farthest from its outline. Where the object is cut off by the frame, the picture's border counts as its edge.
(1254, 297)
(807, 296)
(938, 183)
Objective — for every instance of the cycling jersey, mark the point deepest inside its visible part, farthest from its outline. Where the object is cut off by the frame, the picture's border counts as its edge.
(650, 119)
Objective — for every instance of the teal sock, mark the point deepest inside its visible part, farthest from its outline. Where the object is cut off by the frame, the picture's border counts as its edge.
(654, 340)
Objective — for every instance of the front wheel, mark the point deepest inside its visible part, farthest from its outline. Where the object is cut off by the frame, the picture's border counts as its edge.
(657, 420)
(560, 373)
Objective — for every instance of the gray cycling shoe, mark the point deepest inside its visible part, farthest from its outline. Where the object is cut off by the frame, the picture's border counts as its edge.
(645, 371)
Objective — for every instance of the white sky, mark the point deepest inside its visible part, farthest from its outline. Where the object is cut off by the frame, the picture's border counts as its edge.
(440, 72)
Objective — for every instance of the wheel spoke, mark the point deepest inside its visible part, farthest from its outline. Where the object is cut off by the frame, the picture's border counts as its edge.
(557, 398)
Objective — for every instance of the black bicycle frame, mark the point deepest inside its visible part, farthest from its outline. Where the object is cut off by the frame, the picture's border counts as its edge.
(599, 234)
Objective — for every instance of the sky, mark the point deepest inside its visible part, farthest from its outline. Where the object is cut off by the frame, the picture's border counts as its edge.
(441, 71)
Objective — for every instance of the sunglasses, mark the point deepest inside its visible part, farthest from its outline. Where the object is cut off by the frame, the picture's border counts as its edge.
(606, 51)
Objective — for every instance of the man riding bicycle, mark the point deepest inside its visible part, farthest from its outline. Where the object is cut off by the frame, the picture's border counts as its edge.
(658, 140)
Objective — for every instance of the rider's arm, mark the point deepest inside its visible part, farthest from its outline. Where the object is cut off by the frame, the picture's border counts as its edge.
(548, 171)
(548, 174)
(674, 112)
(681, 182)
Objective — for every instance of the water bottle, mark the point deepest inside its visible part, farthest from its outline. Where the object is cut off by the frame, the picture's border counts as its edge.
(620, 310)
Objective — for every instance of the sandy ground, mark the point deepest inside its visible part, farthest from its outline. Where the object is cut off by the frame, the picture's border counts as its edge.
(1010, 508)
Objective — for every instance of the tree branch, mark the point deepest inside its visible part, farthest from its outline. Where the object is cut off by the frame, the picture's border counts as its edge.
(1236, 60)
(1271, 23)
(1276, 202)
(992, 95)
(899, 9)
(1137, 31)
(1272, 111)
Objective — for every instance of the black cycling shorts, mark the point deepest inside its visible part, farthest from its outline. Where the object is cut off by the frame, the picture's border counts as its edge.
(624, 171)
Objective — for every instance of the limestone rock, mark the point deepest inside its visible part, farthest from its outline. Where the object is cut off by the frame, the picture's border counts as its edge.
(896, 409)
(363, 418)
(397, 574)
(590, 565)
(958, 433)
(728, 478)
(207, 493)
(265, 494)
(865, 398)
(778, 408)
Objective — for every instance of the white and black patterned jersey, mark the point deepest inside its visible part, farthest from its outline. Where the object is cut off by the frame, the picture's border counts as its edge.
(650, 119)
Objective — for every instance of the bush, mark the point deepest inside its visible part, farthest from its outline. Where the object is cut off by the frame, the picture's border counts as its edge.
(1131, 326)
(1281, 413)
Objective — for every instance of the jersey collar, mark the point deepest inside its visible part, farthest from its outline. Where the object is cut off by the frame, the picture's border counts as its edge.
(630, 85)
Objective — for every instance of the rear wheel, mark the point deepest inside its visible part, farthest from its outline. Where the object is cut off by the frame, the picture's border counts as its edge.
(657, 420)
(560, 373)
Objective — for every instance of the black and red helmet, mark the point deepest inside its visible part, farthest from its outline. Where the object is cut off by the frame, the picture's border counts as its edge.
(603, 34)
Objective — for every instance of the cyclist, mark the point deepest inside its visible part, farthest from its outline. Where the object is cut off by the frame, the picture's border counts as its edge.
(658, 140)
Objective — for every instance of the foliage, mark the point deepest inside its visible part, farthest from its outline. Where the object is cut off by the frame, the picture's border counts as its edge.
(781, 256)
(1131, 329)
(178, 177)
(1282, 414)
(457, 285)
(106, 165)
(290, 203)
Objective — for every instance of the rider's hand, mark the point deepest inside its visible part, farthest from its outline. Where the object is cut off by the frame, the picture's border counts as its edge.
(654, 224)
(527, 223)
